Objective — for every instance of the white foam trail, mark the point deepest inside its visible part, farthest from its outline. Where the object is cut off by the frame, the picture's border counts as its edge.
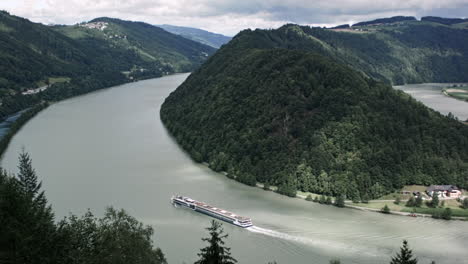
(319, 242)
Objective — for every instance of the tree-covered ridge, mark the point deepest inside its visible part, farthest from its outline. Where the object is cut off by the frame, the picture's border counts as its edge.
(303, 122)
(406, 52)
(445, 21)
(32, 53)
(385, 20)
(182, 53)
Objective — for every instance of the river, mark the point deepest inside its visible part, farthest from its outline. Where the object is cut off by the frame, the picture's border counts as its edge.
(109, 148)
(431, 95)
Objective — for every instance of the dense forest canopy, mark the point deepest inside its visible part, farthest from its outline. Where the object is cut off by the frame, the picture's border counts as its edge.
(399, 53)
(385, 20)
(81, 58)
(267, 108)
(445, 21)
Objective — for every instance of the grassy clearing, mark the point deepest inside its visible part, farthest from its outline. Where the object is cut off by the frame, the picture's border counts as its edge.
(53, 80)
(414, 188)
(425, 210)
(458, 92)
(5, 28)
(393, 196)
(380, 205)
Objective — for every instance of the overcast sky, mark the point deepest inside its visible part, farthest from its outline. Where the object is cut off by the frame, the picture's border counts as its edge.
(230, 16)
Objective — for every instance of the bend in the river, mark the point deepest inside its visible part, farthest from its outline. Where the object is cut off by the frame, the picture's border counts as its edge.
(109, 148)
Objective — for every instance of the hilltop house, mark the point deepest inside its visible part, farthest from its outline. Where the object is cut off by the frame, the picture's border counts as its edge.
(451, 191)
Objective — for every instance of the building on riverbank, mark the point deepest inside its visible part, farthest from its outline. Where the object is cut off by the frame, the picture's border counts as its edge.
(449, 191)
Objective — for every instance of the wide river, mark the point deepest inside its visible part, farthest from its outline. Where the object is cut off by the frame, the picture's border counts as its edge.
(109, 148)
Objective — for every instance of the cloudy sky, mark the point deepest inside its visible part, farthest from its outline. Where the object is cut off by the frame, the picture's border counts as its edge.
(230, 16)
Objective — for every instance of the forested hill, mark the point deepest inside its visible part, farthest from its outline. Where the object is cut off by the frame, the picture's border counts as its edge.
(302, 121)
(199, 35)
(397, 53)
(85, 57)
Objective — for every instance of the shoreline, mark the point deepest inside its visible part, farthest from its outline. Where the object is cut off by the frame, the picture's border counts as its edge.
(36, 109)
(18, 124)
(349, 205)
(447, 93)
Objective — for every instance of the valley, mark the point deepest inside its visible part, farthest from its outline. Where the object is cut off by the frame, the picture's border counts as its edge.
(338, 142)
(136, 164)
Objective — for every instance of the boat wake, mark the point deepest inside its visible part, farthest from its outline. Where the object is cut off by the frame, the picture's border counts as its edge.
(281, 235)
(319, 243)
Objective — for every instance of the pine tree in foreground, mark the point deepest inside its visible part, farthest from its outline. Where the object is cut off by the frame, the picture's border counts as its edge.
(405, 256)
(215, 252)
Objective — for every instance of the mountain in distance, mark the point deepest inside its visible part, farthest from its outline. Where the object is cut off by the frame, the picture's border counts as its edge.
(303, 108)
(385, 20)
(85, 57)
(445, 21)
(396, 53)
(150, 43)
(208, 38)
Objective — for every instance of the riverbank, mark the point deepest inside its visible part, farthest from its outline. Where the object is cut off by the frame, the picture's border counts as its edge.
(377, 205)
(459, 92)
(59, 89)
(18, 123)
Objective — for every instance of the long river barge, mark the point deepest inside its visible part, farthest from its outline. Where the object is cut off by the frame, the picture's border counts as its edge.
(211, 211)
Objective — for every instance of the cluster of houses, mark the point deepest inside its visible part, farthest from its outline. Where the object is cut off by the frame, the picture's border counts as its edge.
(95, 25)
(444, 191)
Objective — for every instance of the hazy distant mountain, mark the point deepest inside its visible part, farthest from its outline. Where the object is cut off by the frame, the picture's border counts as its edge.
(208, 38)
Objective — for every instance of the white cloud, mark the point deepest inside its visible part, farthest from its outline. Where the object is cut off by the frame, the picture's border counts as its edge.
(230, 16)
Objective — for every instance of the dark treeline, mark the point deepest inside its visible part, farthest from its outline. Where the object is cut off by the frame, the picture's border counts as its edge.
(386, 20)
(443, 20)
(303, 122)
(29, 234)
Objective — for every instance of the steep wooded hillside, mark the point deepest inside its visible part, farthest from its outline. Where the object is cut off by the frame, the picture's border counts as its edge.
(267, 108)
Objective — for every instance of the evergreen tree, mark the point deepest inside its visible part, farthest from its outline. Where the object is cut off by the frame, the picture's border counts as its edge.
(365, 198)
(447, 214)
(405, 256)
(435, 200)
(316, 199)
(28, 220)
(27, 175)
(322, 200)
(418, 202)
(465, 203)
(335, 261)
(411, 202)
(309, 198)
(215, 252)
(397, 200)
(340, 201)
(329, 200)
(385, 209)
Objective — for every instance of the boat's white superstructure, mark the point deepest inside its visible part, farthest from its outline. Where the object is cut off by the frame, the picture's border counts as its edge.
(211, 211)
